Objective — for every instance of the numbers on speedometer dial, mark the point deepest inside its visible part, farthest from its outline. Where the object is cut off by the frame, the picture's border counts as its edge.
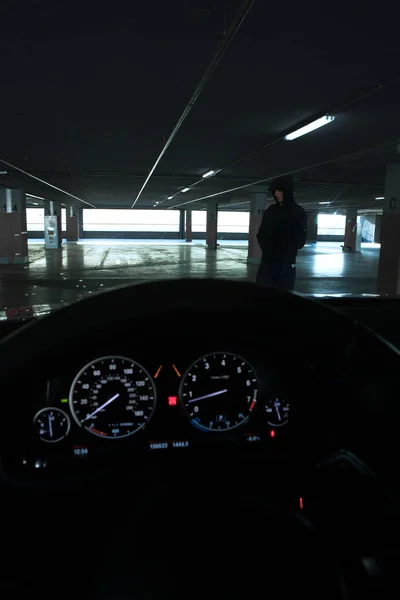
(112, 397)
(219, 391)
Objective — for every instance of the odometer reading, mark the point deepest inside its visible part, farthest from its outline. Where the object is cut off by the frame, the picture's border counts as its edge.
(219, 392)
(112, 397)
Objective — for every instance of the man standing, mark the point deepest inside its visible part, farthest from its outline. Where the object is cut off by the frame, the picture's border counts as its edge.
(282, 233)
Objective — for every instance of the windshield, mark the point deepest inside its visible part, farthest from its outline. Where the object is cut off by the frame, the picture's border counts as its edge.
(238, 140)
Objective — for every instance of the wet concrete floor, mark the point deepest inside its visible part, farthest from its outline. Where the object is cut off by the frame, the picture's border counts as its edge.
(56, 277)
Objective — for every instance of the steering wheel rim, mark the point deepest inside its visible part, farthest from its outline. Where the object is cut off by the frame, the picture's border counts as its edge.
(267, 311)
(262, 311)
(170, 298)
(164, 295)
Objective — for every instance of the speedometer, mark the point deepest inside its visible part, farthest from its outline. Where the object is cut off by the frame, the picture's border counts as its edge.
(219, 391)
(112, 397)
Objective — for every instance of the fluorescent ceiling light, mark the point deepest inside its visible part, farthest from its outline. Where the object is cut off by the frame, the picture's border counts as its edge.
(208, 174)
(380, 198)
(185, 190)
(324, 202)
(170, 198)
(33, 196)
(310, 127)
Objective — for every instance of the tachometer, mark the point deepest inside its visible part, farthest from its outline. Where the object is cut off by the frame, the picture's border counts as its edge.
(112, 397)
(219, 391)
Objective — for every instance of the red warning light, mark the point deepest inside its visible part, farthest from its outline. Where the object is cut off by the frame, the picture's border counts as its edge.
(272, 433)
(172, 400)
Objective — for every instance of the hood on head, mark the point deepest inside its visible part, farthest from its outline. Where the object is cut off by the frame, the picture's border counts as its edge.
(285, 184)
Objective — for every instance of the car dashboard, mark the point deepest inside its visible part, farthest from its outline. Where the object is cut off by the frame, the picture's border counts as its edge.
(209, 375)
(143, 419)
(116, 404)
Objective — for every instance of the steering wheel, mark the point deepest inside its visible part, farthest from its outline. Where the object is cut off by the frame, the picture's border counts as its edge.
(191, 535)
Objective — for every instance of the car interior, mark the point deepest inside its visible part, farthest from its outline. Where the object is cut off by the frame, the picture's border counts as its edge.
(185, 438)
(199, 300)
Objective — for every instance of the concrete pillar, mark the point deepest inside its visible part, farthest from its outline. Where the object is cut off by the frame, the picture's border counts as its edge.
(52, 225)
(182, 224)
(378, 227)
(350, 232)
(389, 258)
(257, 208)
(79, 212)
(188, 226)
(312, 228)
(8, 207)
(359, 232)
(72, 221)
(13, 233)
(212, 225)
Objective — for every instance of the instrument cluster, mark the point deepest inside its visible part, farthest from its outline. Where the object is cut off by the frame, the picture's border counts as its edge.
(114, 400)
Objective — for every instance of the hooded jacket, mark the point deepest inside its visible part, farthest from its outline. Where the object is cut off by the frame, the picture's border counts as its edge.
(283, 228)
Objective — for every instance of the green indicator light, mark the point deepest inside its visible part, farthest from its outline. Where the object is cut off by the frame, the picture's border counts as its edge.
(64, 400)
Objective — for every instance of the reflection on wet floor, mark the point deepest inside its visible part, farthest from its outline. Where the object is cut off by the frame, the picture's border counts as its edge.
(56, 277)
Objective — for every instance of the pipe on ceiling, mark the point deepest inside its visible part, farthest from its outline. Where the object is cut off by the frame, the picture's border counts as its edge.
(54, 187)
(230, 34)
(305, 168)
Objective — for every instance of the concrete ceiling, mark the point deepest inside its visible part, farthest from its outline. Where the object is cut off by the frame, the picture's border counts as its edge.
(89, 97)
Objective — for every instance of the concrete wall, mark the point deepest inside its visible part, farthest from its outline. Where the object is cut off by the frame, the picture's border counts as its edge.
(330, 238)
(141, 235)
(39, 235)
(164, 235)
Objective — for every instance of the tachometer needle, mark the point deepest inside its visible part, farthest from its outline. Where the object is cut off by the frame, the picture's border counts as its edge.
(101, 407)
(208, 396)
(50, 427)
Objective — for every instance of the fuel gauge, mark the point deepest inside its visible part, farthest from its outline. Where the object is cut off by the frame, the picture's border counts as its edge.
(51, 424)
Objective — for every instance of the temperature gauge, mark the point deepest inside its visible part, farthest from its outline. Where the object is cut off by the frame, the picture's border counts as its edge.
(277, 410)
(51, 424)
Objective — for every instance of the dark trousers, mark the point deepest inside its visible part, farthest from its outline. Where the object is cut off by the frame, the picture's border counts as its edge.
(275, 275)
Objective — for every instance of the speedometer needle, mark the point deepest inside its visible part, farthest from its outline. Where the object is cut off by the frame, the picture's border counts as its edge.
(208, 396)
(101, 407)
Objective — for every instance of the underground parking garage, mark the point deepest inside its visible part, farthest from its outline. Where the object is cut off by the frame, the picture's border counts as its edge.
(128, 187)
(76, 252)
(199, 299)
